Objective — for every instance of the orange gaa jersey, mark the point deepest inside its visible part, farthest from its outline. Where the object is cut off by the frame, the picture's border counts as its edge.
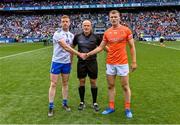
(116, 39)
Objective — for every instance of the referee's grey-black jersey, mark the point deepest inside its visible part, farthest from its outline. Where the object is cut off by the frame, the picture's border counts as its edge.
(86, 43)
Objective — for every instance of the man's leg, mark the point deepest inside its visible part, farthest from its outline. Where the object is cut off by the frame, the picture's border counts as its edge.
(94, 92)
(127, 95)
(81, 93)
(52, 92)
(126, 91)
(65, 79)
(92, 69)
(81, 74)
(111, 90)
(82, 88)
(111, 93)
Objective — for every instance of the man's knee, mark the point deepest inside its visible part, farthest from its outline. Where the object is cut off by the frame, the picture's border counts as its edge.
(54, 78)
(53, 84)
(65, 79)
(65, 83)
(82, 82)
(125, 87)
(125, 83)
(93, 83)
(111, 86)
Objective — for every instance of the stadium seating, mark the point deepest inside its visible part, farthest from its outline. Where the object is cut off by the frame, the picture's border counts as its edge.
(152, 23)
(39, 26)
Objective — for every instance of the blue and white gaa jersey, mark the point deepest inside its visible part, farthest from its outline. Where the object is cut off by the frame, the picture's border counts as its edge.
(60, 55)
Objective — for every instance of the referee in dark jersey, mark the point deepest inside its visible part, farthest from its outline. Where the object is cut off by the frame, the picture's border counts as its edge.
(87, 41)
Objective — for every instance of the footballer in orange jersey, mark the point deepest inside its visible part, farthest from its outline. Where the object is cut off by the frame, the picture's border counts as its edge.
(116, 38)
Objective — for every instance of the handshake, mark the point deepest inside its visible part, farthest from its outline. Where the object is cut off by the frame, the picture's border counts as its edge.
(84, 56)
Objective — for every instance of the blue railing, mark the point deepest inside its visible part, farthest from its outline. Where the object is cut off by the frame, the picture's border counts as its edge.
(7, 40)
(145, 37)
(61, 7)
(27, 40)
(156, 38)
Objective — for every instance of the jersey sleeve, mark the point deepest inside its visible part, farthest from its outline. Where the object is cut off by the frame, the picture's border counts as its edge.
(129, 34)
(58, 37)
(105, 37)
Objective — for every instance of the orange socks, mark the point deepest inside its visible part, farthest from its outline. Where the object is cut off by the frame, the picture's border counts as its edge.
(111, 104)
(127, 105)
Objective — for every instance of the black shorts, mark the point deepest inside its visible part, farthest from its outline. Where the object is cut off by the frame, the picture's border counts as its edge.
(87, 67)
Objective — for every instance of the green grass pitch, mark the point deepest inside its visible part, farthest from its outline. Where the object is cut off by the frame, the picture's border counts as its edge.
(24, 84)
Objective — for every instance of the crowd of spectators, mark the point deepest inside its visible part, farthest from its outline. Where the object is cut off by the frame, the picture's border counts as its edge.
(39, 26)
(20, 3)
(155, 23)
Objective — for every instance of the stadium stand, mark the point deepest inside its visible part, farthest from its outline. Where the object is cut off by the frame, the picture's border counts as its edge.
(149, 23)
(18, 3)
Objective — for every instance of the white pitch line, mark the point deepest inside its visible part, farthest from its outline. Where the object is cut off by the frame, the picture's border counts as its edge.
(159, 45)
(4, 57)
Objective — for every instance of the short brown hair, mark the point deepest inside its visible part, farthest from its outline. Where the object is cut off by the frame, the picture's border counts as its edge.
(114, 12)
(65, 16)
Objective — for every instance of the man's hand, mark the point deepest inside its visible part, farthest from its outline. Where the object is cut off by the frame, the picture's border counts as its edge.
(83, 55)
(133, 67)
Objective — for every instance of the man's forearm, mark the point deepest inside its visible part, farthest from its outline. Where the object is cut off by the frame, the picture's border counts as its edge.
(71, 50)
(133, 54)
(97, 50)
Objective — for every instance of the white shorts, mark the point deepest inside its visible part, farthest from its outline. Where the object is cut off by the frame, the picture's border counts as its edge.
(120, 70)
